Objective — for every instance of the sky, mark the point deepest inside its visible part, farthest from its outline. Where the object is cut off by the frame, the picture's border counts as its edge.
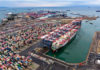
(48, 3)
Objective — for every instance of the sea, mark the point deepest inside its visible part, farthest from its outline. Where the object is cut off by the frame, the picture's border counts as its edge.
(76, 51)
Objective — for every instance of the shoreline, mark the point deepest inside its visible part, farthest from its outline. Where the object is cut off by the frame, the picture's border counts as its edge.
(29, 24)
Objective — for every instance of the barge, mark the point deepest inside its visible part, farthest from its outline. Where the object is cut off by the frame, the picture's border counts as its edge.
(61, 36)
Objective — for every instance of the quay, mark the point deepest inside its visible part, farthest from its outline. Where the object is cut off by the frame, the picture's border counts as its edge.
(18, 32)
(57, 65)
(95, 45)
(20, 36)
(93, 57)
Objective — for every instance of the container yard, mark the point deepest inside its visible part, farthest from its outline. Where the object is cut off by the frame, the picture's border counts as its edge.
(21, 31)
(39, 38)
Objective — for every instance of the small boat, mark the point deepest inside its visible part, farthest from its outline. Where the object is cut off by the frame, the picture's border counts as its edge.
(91, 23)
(87, 21)
(98, 11)
(67, 10)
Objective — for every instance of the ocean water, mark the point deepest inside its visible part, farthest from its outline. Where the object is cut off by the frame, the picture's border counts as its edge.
(76, 51)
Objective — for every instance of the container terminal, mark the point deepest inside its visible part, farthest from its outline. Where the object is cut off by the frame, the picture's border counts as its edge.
(25, 38)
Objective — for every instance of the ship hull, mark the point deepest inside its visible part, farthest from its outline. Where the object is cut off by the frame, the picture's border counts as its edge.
(67, 41)
(61, 36)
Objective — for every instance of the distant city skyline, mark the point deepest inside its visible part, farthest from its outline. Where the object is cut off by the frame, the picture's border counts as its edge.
(48, 3)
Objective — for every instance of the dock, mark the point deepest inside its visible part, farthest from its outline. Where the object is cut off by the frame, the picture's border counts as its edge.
(95, 45)
(43, 65)
(94, 48)
(92, 54)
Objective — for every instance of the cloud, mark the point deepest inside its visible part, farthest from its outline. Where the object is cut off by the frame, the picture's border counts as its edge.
(47, 3)
(38, 3)
(92, 2)
(44, 4)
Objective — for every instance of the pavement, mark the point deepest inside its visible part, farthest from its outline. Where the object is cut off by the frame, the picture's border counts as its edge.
(56, 65)
(43, 65)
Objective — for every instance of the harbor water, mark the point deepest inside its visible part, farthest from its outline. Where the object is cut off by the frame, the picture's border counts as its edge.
(76, 51)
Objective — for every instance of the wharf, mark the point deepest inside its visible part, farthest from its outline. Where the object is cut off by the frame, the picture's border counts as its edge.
(42, 64)
(93, 52)
(96, 43)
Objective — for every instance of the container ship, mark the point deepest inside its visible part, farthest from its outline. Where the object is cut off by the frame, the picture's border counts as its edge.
(61, 36)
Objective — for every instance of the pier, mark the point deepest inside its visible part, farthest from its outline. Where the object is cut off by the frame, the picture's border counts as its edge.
(93, 54)
(95, 45)
(22, 37)
(43, 65)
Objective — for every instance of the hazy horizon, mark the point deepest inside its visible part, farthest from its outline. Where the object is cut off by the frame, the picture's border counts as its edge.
(48, 3)
(47, 7)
